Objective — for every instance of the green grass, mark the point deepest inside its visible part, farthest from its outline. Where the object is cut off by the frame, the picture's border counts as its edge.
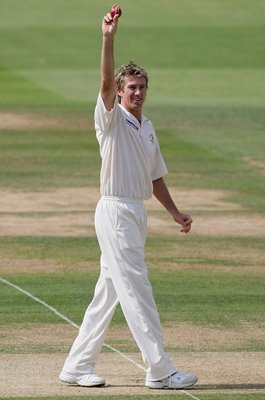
(206, 64)
(59, 249)
(205, 51)
(64, 159)
(199, 297)
(71, 159)
(227, 396)
(213, 47)
(159, 249)
(71, 13)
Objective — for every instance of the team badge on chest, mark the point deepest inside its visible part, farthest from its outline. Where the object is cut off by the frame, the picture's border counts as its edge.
(152, 139)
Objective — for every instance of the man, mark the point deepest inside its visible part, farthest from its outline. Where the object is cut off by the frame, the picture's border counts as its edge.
(132, 169)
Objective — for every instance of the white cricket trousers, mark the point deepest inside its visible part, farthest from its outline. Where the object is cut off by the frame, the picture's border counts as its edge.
(121, 227)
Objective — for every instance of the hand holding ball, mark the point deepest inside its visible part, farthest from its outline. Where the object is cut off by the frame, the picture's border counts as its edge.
(115, 11)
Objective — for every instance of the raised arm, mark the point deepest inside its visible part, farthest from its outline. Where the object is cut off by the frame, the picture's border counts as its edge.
(162, 194)
(108, 84)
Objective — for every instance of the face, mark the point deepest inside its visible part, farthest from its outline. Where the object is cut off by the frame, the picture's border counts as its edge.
(133, 94)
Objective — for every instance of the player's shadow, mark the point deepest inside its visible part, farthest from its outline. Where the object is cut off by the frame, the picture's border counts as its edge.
(224, 386)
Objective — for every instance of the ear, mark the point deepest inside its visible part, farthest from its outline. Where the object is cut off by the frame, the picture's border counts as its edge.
(120, 92)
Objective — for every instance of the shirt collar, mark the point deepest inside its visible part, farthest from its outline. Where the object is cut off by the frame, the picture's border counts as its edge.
(143, 117)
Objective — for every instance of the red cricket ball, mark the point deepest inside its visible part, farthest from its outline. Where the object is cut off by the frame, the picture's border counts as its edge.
(115, 10)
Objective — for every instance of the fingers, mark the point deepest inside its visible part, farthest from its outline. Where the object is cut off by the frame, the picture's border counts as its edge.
(186, 229)
(109, 25)
(186, 225)
(184, 220)
(108, 19)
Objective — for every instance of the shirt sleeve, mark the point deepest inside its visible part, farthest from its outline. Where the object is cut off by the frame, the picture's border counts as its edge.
(159, 168)
(104, 119)
(157, 164)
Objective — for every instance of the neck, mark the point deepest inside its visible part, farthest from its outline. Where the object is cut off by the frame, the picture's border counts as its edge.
(138, 116)
(136, 113)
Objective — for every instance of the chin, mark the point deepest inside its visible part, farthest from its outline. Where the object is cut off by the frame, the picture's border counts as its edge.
(137, 106)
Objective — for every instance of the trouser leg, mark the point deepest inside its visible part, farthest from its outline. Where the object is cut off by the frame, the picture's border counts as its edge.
(88, 344)
(121, 231)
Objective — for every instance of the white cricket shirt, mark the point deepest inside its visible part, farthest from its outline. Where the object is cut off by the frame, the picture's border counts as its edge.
(130, 153)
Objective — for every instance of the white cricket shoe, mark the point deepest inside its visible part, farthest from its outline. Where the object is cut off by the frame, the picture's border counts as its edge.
(179, 380)
(88, 380)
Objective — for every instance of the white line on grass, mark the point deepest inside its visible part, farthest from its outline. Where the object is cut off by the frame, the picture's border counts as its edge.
(190, 395)
(53, 310)
(39, 301)
(62, 316)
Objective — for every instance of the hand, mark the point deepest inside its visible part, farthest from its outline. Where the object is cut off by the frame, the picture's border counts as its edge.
(109, 25)
(184, 220)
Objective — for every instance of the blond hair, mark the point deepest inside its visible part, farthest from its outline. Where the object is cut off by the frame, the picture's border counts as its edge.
(130, 69)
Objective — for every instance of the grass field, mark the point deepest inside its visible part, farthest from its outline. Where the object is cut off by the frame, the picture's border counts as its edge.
(206, 98)
(165, 397)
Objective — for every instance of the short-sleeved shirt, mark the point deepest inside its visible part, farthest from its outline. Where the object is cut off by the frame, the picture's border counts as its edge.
(130, 152)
